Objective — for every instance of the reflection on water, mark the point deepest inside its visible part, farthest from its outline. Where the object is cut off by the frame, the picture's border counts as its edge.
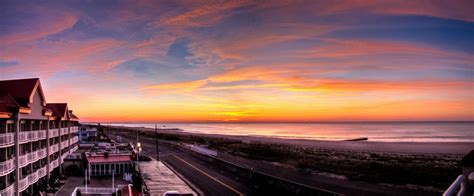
(409, 132)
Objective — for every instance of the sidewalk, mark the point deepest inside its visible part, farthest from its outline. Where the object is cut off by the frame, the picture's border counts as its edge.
(158, 178)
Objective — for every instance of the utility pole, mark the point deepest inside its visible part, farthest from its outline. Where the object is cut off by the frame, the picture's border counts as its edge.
(157, 147)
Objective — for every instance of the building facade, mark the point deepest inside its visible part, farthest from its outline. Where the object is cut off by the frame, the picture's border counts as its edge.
(35, 137)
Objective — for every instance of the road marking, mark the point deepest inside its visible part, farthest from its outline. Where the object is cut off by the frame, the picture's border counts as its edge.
(215, 179)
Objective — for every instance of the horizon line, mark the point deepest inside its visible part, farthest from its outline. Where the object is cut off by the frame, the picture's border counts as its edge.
(256, 122)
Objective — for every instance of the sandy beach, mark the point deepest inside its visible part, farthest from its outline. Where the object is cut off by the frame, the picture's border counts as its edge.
(454, 148)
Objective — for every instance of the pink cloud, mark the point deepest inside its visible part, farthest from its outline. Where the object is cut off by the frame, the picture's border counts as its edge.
(62, 23)
(457, 9)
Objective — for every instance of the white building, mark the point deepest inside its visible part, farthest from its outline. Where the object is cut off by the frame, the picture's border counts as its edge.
(35, 137)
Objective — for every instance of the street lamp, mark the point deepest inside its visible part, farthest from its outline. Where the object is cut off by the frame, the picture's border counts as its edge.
(139, 149)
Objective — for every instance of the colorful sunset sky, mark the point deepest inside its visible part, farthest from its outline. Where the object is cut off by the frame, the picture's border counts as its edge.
(246, 61)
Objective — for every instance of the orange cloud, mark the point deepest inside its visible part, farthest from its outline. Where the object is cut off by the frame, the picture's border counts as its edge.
(457, 9)
(179, 87)
(210, 13)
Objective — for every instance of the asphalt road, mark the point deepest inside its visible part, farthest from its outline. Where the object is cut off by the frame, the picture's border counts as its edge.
(209, 180)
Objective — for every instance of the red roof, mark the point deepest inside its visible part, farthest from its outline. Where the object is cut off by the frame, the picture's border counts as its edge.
(21, 90)
(109, 159)
(7, 103)
(59, 109)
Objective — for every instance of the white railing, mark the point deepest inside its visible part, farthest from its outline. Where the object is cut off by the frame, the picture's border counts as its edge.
(63, 156)
(42, 172)
(23, 137)
(75, 139)
(73, 149)
(64, 144)
(94, 191)
(53, 148)
(23, 160)
(31, 157)
(28, 136)
(41, 134)
(6, 167)
(7, 139)
(9, 190)
(53, 133)
(33, 178)
(41, 153)
(64, 131)
(23, 184)
(53, 164)
(74, 129)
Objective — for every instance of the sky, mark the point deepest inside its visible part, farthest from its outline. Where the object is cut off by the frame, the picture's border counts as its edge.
(246, 61)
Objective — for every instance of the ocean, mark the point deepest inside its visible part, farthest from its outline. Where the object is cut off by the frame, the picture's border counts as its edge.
(374, 131)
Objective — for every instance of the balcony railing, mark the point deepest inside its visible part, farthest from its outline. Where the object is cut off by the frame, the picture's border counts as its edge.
(7, 139)
(29, 136)
(73, 149)
(23, 160)
(9, 190)
(53, 133)
(64, 131)
(53, 148)
(74, 140)
(74, 129)
(23, 184)
(63, 156)
(6, 167)
(32, 178)
(32, 157)
(42, 172)
(41, 153)
(64, 144)
(53, 164)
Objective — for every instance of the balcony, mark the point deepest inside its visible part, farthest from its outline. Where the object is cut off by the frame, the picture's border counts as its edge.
(53, 133)
(41, 153)
(64, 131)
(32, 157)
(63, 156)
(74, 140)
(53, 148)
(42, 172)
(23, 184)
(6, 167)
(33, 178)
(9, 190)
(29, 136)
(53, 164)
(64, 144)
(73, 149)
(74, 129)
(7, 139)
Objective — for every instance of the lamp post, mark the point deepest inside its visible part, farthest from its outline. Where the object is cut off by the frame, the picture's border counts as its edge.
(139, 148)
(157, 146)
